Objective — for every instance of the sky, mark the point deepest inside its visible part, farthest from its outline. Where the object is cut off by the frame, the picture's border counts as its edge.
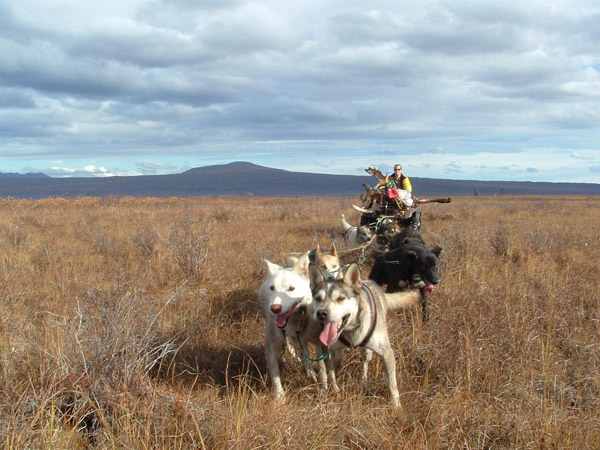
(475, 90)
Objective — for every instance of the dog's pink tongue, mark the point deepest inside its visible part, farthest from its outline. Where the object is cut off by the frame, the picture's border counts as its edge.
(429, 288)
(282, 319)
(329, 334)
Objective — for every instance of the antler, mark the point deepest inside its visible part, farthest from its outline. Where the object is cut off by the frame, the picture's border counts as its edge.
(377, 174)
(370, 196)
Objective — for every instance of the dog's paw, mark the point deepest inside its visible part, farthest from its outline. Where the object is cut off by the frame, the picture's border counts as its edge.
(312, 376)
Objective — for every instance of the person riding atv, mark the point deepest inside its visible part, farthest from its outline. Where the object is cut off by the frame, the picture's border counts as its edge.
(395, 200)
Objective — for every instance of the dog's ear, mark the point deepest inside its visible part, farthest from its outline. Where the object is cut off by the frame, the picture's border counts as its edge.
(352, 276)
(301, 265)
(271, 267)
(436, 250)
(315, 275)
(291, 260)
(318, 251)
(333, 250)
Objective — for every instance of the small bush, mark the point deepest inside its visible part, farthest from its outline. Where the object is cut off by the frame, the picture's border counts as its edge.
(188, 244)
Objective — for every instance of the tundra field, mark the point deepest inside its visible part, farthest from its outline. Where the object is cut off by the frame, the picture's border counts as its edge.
(133, 323)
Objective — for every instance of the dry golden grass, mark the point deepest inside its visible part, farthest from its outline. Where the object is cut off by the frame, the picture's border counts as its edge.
(131, 323)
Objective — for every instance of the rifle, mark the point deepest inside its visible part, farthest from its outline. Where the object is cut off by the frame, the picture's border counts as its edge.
(416, 203)
(421, 201)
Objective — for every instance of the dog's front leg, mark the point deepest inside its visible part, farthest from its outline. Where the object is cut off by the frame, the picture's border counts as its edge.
(322, 370)
(271, 350)
(303, 340)
(367, 354)
(330, 363)
(323, 375)
(290, 348)
(310, 371)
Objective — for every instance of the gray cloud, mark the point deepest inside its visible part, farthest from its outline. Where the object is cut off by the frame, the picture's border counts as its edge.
(150, 168)
(14, 98)
(143, 79)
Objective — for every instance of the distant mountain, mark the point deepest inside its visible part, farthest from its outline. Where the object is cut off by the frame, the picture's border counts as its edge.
(243, 179)
(23, 175)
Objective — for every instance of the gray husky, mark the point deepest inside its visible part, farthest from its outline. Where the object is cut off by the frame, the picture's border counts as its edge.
(352, 313)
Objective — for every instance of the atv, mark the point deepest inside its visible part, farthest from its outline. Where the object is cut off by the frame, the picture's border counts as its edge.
(392, 217)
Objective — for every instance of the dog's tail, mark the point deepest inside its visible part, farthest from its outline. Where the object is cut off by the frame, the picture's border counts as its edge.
(345, 224)
(403, 299)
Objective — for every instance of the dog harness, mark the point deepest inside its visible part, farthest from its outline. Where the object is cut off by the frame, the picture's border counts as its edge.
(373, 309)
(302, 310)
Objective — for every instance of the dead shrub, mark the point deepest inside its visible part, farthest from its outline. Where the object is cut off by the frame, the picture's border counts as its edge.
(499, 242)
(146, 241)
(188, 243)
(16, 236)
(116, 345)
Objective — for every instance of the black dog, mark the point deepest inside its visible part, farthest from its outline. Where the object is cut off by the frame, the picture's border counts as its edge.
(404, 237)
(409, 265)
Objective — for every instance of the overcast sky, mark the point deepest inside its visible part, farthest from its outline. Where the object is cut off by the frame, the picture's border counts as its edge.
(487, 90)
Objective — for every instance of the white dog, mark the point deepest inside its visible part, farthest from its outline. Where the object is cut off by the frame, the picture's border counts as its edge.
(283, 299)
(356, 236)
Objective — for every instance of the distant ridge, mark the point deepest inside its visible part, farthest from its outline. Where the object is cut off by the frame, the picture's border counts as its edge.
(23, 175)
(244, 179)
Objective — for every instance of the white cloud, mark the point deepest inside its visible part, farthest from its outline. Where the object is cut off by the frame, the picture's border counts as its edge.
(86, 171)
(586, 155)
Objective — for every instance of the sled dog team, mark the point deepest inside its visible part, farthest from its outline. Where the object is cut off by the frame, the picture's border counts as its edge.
(315, 303)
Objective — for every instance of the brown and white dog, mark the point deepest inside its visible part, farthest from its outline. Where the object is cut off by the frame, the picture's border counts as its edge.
(327, 261)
